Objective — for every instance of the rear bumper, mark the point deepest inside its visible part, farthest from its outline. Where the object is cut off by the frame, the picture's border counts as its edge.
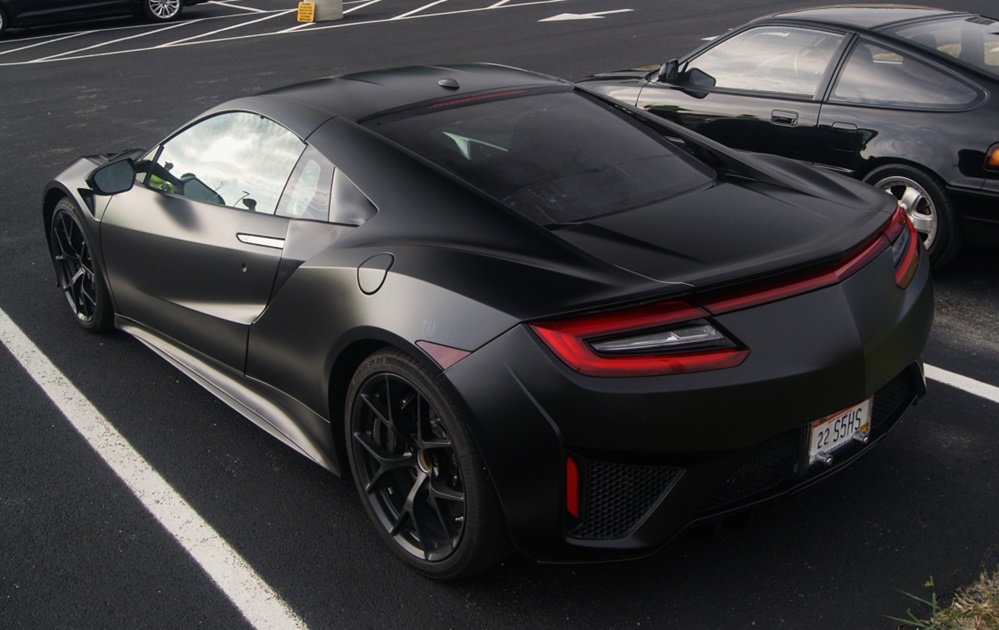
(655, 454)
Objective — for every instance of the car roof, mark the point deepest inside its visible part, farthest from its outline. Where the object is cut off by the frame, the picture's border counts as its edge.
(863, 16)
(364, 94)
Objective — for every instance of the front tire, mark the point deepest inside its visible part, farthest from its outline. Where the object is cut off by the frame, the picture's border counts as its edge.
(420, 477)
(77, 271)
(162, 10)
(927, 204)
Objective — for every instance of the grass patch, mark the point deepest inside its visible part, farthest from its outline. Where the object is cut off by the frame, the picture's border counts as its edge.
(973, 608)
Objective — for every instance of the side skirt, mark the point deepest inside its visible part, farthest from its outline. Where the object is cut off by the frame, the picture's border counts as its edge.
(291, 422)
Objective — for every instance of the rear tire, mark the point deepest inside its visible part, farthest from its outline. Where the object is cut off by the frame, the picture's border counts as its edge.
(927, 204)
(77, 270)
(162, 10)
(419, 475)
(3, 23)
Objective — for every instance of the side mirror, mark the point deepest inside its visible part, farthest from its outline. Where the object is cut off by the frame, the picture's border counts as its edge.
(668, 71)
(112, 178)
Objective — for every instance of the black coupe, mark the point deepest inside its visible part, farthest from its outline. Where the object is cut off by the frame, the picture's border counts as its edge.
(511, 310)
(901, 97)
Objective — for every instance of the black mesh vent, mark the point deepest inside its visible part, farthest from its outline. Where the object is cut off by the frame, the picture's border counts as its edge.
(618, 496)
(773, 462)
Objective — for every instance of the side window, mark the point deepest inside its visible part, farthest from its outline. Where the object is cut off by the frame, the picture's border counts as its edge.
(974, 40)
(236, 159)
(782, 60)
(350, 206)
(874, 75)
(307, 195)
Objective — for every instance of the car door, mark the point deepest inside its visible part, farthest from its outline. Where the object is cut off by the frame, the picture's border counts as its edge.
(192, 251)
(758, 89)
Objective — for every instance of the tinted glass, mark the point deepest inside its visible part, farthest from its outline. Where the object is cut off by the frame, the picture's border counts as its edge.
(554, 157)
(770, 59)
(974, 40)
(239, 159)
(307, 195)
(877, 76)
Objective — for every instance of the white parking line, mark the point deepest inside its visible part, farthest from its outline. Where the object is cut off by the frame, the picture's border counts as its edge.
(229, 5)
(984, 390)
(270, 16)
(360, 6)
(44, 42)
(420, 10)
(110, 42)
(258, 603)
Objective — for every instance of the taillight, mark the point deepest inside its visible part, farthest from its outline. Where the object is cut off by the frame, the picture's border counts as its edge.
(904, 247)
(651, 340)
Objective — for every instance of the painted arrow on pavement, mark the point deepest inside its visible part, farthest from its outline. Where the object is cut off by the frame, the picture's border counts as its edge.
(582, 16)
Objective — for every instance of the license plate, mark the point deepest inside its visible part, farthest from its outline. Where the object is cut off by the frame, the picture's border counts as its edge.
(838, 430)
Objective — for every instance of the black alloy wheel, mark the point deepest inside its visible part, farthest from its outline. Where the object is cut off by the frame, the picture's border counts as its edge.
(419, 475)
(162, 10)
(77, 271)
(926, 202)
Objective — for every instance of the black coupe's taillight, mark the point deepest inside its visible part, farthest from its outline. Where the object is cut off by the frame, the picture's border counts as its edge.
(650, 340)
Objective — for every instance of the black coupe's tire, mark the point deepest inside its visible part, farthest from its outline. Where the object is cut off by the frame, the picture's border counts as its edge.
(77, 271)
(418, 473)
(928, 205)
(3, 23)
(162, 10)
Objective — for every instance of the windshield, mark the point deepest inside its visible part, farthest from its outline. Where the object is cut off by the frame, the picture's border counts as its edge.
(553, 157)
(974, 39)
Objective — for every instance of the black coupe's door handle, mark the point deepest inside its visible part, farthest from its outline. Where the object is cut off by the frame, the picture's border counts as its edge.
(784, 117)
(844, 127)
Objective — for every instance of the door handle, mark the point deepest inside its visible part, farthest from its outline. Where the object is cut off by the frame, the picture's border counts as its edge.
(844, 127)
(784, 117)
(262, 241)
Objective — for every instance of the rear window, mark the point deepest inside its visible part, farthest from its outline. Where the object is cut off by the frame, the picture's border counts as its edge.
(553, 157)
(974, 40)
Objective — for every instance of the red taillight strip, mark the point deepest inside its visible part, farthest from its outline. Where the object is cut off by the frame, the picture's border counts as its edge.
(904, 272)
(755, 296)
(567, 339)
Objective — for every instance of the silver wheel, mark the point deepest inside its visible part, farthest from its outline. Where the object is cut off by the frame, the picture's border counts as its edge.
(925, 200)
(161, 10)
(916, 202)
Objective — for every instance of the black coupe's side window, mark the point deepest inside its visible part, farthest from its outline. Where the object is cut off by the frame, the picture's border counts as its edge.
(874, 75)
(777, 59)
(236, 159)
(974, 40)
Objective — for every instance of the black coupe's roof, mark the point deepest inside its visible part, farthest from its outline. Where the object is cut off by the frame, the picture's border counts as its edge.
(363, 94)
(865, 16)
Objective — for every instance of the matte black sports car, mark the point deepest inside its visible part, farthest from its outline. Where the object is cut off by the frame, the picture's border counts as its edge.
(26, 13)
(510, 309)
(900, 97)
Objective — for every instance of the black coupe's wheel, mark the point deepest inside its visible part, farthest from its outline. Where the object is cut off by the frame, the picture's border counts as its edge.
(162, 10)
(418, 472)
(3, 22)
(928, 205)
(77, 271)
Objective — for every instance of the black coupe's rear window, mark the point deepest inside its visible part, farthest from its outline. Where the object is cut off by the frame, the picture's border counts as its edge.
(553, 157)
